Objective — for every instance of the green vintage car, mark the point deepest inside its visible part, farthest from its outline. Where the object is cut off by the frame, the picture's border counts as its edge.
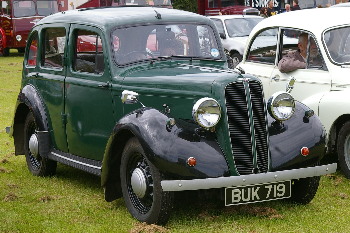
(143, 98)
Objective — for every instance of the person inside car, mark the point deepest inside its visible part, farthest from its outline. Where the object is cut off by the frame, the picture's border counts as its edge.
(297, 59)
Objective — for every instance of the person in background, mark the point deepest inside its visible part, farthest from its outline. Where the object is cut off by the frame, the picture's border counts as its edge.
(296, 5)
(263, 12)
(287, 7)
(270, 10)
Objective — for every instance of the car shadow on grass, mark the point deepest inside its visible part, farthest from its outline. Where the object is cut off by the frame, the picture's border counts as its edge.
(78, 177)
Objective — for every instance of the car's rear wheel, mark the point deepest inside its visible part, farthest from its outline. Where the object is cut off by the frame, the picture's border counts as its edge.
(343, 149)
(21, 50)
(142, 192)
(304, 190)
(37, 165)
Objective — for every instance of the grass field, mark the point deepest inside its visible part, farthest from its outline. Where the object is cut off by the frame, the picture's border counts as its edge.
(72, 201)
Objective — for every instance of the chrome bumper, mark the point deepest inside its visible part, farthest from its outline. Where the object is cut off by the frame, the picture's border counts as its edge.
(222, 182)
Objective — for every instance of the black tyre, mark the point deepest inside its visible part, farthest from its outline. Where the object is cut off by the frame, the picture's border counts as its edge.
(142, 192)
(304, 190)
(37, 165)
(343, 149)
(21, 50)
(236, 58)
(6, 52)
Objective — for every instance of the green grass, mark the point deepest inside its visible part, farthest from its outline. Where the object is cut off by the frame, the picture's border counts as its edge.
(72, 201)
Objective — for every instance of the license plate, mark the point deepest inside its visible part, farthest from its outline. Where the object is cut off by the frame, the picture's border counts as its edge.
(257, 193)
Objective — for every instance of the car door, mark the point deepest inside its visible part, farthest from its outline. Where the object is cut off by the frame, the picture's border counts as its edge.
(260, 58)
(88, 105)
(50, 76)
(311, 82)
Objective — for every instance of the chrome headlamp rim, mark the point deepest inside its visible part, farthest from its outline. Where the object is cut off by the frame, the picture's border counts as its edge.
(200, 104)
(277, 100)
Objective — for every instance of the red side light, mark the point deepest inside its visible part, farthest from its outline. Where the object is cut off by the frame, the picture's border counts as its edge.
(304, 151)
(191, 161)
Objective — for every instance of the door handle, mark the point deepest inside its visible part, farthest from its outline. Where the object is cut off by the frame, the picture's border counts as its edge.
(36, 75)
(276, 78)
(105, 85)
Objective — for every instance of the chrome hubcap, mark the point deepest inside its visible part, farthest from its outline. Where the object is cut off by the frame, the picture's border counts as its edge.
(34, 145)
(139, 182)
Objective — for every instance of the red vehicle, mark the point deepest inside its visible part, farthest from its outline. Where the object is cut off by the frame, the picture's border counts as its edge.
(226, 7)
(102, 3)
(18, 17)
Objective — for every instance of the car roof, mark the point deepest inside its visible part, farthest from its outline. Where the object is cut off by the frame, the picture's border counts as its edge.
(114, 16)
(223, 17)
(314, 20)
(347, 4)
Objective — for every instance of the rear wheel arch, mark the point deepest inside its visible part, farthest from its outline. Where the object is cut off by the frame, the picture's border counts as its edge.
(18, 125)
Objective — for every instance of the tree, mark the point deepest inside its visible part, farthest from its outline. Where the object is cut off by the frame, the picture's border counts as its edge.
(186, 5)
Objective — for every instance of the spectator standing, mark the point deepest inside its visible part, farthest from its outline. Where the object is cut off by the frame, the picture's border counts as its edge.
(263, 12)
(296, 5)
(270, 10)
(287, 7)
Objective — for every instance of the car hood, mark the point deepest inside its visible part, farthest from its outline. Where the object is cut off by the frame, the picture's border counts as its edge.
(237, 42)
(179, 77)
(178, 85)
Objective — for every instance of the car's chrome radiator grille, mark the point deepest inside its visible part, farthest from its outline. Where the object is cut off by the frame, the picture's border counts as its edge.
(247, 129)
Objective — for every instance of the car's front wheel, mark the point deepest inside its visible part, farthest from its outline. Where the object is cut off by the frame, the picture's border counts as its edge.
(304, 190)
(140, 182)
(37, 165)
(343, 149)
(236, 58)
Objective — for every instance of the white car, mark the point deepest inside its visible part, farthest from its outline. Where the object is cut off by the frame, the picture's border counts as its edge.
(234, 31)
(324, 85)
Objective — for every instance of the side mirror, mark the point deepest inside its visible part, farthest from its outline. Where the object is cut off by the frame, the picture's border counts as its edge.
(222, 35)
(290, 84)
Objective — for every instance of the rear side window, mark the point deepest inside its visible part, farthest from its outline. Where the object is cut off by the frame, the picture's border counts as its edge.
(88, 55)
(54, 44)
(6, 7)
(263, 49)
(33, 51)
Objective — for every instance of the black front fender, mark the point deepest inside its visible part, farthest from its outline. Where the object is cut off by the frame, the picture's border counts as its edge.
(167, 147)
(288, 138)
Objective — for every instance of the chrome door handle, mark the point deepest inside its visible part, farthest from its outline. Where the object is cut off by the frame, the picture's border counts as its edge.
(276, 78)
(105, 85)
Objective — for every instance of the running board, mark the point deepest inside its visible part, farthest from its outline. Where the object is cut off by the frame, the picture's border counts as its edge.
(88, 165)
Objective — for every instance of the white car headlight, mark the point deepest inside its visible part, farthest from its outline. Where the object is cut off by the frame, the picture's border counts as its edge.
(281, 106)
(206, 112)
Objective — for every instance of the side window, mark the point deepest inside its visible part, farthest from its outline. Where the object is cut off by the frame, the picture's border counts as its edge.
(53, 51)
(88, 54)
(263, 49)
(219, 25)
(6, 7)
(300, 45)
(33, 51)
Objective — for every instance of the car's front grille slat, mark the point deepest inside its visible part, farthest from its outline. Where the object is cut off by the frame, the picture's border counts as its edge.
(239, 122)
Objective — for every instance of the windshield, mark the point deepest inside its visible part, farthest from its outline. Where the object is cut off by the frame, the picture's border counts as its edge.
(160, 41)
(32, 8)
(241, 26)
(337, 42)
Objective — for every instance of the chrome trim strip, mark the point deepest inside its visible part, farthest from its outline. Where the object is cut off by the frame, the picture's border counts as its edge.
(222, 182)
(74, 161)
(251, 123)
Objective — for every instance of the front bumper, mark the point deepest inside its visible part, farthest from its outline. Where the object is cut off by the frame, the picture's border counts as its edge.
(223, 182)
